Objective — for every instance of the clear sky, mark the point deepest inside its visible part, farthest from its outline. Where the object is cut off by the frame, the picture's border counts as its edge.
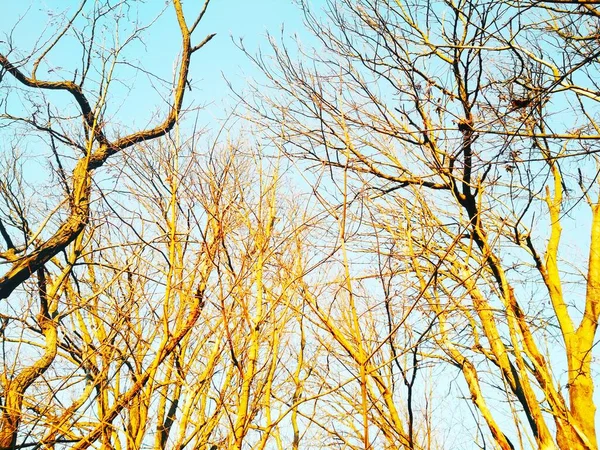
(139, 95)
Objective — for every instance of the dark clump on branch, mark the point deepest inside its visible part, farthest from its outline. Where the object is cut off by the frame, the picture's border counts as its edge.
(465, 125)
(518, 103)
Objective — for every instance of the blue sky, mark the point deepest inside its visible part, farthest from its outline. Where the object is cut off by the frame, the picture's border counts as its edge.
(134, 97)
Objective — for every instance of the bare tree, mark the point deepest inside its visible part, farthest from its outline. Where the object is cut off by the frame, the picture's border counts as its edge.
(48, 240)
(175, 325)
(469, 130)
(94, 145)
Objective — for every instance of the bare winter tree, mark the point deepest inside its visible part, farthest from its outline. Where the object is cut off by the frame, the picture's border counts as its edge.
(68, 115)
(92, 145)
(469, 130)
(176, 325)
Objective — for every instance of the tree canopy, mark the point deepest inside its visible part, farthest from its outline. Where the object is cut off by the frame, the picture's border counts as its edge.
(393, 240)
